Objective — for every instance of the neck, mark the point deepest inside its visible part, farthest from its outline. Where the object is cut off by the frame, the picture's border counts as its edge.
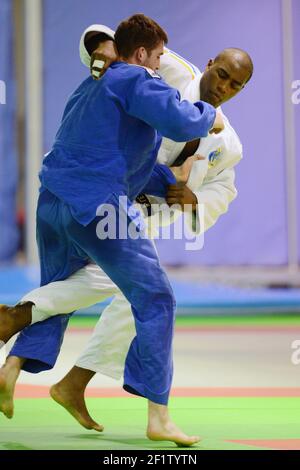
(129, 60)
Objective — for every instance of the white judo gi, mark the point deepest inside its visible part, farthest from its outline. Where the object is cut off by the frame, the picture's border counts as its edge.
(211, 180)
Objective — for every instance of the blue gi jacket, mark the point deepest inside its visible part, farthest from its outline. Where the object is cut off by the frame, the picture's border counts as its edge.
(110, 135)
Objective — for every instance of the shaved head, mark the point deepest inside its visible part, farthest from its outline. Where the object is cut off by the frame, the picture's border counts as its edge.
(238, 55)
(225, 76)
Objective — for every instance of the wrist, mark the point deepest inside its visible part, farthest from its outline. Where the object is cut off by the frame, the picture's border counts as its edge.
(194, 202)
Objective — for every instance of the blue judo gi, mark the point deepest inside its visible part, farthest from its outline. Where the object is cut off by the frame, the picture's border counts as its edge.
(106, 147)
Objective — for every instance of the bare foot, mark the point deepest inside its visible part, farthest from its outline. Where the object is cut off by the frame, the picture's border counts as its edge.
(9, 374)
(14, 319)
(73, 401)
(161, 428)
(170, 432)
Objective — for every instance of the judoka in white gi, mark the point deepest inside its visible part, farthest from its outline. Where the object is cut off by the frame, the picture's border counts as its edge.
(211, 182)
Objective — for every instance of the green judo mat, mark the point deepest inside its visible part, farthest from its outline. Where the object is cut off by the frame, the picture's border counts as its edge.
(89, 321)
(40, 424)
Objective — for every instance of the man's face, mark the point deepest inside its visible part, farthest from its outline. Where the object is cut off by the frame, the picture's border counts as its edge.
(152, 60)
(222, 80)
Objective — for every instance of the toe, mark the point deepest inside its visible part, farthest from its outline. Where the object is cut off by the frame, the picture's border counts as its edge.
(98, 427)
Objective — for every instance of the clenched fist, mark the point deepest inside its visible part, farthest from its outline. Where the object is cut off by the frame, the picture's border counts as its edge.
(178, 194)
(102, 57)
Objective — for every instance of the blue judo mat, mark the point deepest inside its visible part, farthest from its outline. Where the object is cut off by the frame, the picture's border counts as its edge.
(192, 297)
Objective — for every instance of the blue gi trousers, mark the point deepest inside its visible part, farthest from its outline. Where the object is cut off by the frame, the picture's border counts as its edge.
(132, 264)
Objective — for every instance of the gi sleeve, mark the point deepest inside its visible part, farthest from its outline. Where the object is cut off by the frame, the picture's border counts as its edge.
(153, 101)
(213, 198)
(158, 183)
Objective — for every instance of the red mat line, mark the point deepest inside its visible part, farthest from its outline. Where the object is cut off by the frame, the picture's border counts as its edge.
(41, 391)
(276, 444)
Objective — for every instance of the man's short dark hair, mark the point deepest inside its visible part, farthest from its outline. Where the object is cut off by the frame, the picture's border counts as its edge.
(138, 31)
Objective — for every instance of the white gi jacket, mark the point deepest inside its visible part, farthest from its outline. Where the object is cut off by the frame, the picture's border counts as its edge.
(212, 179)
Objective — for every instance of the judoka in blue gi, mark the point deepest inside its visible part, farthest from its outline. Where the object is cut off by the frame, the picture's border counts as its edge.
(106, 148)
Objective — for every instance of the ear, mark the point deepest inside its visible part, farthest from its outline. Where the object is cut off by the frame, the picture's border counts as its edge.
(209, 64)
(141, 55)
